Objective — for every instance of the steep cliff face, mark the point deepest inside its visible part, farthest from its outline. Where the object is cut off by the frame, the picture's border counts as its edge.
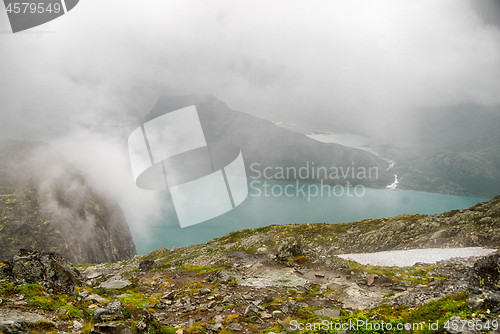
(47, 204)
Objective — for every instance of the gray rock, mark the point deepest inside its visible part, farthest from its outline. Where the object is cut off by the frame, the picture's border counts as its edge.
(93, 275)
(141, 326)
(465, 330)
(147, 265)
(289, 248)
(262, 250)
(286, 325)
(486, 273)
(111, 329)
(485, 220)
(77, 325)
(327, 313)
(217, 327)
(485, 300)
(96, 298)
(115, 306)
(251, 309)
(169, 295)
(205, 291)
(224, 277)
(234, 327)
(265, 315)
(289, 308)
(48, 269)
(247, 296)
(62, 313)
(102, 314)
(116, 309)
(12, 321)
(277, 314)
(116, 283)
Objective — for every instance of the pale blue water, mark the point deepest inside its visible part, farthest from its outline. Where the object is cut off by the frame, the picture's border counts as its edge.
(268, 210)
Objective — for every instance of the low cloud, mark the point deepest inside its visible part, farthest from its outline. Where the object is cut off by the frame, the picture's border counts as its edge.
(81, 82)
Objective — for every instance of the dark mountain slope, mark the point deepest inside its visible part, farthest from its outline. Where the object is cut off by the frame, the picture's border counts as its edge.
(48, 205)
(265, 144)
(456, 151)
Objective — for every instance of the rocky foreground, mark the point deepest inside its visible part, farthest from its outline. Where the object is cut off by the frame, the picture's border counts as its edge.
(271, 279)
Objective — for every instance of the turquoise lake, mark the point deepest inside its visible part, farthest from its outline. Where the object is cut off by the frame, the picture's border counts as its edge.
(265, 209)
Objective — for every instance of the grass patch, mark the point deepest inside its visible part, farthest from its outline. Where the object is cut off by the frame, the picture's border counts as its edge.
(435, 311)
(30, 290)
(42, 326)
(203, 270)
(414, 274)
(7, 288)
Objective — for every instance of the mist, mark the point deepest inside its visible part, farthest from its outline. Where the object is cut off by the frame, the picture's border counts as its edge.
(81, 82)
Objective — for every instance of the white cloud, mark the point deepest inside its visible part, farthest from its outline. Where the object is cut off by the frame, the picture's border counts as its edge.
(95, 69)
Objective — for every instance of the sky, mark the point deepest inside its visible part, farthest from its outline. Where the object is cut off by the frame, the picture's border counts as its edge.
(81, 81)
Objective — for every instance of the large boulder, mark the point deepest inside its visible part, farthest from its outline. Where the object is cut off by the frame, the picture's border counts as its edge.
(486, 273)
(48, 205)
(485, 284)
(290, 248)
(13, 321)
(47, 269)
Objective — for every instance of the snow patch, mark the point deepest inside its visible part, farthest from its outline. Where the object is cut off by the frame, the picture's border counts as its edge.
(404, 258)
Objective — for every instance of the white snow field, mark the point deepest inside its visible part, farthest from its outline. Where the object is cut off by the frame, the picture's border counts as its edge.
(404, 258)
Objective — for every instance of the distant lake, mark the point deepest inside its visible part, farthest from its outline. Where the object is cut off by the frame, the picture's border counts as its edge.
(258, 211)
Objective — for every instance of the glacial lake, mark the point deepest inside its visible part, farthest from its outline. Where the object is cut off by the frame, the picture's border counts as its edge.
(266, 209)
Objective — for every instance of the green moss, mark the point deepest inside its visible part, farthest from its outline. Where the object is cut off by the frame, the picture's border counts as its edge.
(203, 270)
(414, 274)
(156, 328)
(275, 302)
(306, 315)
(42, 326)
(232, 318)
(30, 290)
(276, 329)
(49, 303)
(73, 311)
(198, 327)
(7, 288)
(137, 301)
(440, 310)
(301, 259)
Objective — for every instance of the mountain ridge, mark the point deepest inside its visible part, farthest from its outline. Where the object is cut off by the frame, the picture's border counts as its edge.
(264, 143)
